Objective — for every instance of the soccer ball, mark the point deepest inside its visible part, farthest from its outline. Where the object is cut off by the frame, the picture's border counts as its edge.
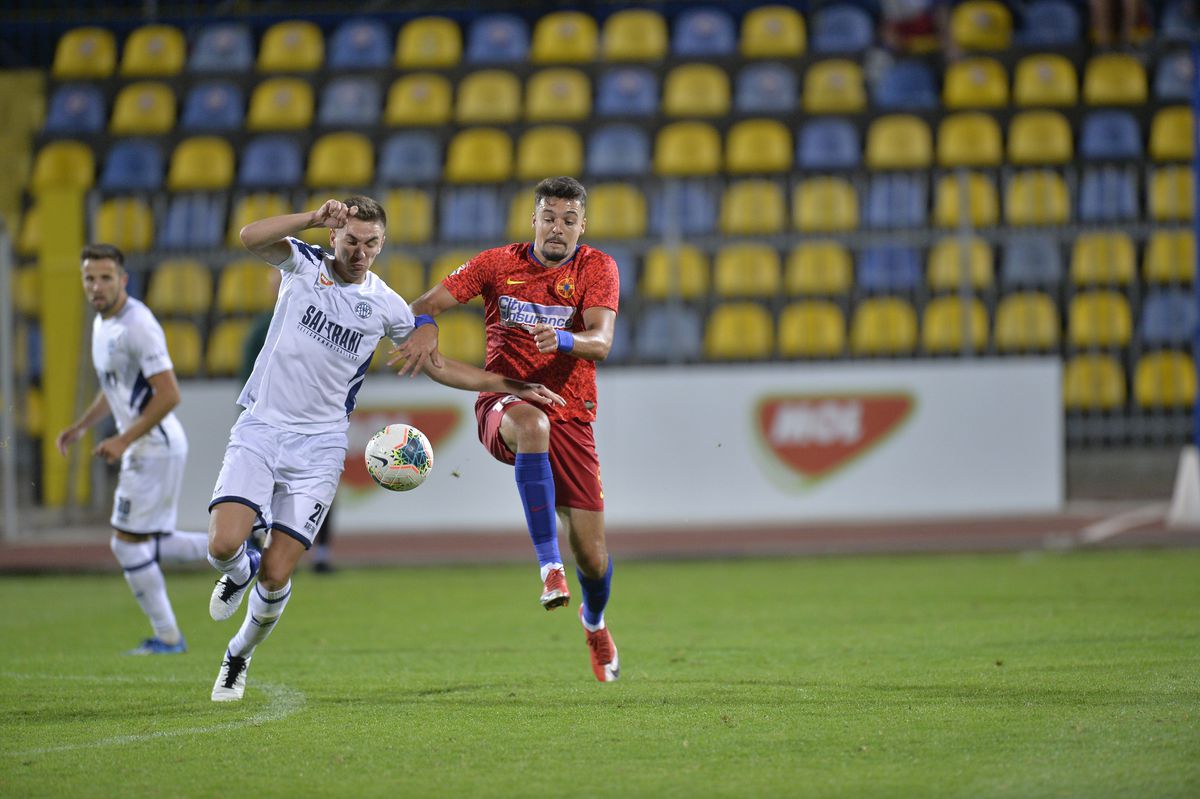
(399, 457)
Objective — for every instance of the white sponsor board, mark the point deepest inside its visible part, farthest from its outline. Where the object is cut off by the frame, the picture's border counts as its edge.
(778, 444)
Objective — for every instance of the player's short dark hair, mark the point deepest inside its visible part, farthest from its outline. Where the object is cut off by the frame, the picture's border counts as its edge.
(563, 188)
(100, 251)
(368, 210)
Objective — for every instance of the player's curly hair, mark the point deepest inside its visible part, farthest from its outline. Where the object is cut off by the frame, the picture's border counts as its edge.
(563, 188)
(100, 251)
(368, 210)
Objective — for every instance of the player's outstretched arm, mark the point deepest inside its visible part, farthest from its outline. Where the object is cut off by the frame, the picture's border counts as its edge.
(163, 400)
(265, 237)
(94, 413)
(457, 374)
(592, 343)
(422, 346)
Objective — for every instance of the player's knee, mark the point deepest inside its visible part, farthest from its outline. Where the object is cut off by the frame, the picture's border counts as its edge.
(274, 575)
(593, 563)
(223, 544)
(533, 432)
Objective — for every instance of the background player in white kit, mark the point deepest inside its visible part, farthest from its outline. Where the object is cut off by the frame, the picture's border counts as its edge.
(287, 449)
(138, 387)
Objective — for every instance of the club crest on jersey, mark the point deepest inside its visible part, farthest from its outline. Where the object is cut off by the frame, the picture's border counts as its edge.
(565, 287)
(362, 310)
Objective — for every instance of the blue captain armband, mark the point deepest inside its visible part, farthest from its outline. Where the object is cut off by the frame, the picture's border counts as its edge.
(566, 341)
(423, 319)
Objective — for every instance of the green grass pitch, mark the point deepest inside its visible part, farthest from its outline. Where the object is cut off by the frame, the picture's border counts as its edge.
(1056, 675)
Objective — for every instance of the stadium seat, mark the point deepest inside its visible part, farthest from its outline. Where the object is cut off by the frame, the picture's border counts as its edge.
(888, 269)
(896, 200)
(618, 150)
(1108, 194)
(883, 326)
(1179, 21)
(977, 82)
(696, 90)
(773, 31)
(1037, 138)
(1099, 319)
(950, 262)
(251, 207)
(201, 163)
(270, 161)
(627, 91)
(471, 214)
(687, 148)
(675, 273)
(818, 268)
(906, 86)
(1172, 194)
(410, 216)
(1032, 261)
(635, 34)
(1173, 77)
(766, 87)
(739, 331)
(410, 157)
(212, 106)
(746, 270)
(125, 222)
(1110, 136)
(350, 102)
(1114, 79)
(183, 343)
(1165, 380)
(461, 336)
(180, 287)
(812, 329)
(970, 138)
(1102, 259)
(825, 205)
(244, 287)
(63, 164)
(1045, 79)
(564, 37)
(942, 326)
(549, 150)
(496, 39)
(899, 141)
(153, 51)
(340, 160)
(842, 28)
(703, 32)
(686, 207)
(1036, 197)
(488, 96)
(834, 86)
(428, 43)
(446, 263)
(1168, 318)
(616, 211)
(758, 146)
(1170, 257)
(1027, 322)
(418, 99)
(24, 287)
(519, 216)
(981, 25)
(222, 47)
(223, 358)
(1093, 382)
(280, 104)
(1171, 134)
(192, 221)
(983, 204)
(132, 165)
(1050, 23)
(403, 273)
(828, 143)
(291, 46)
(360, 43)
(669, 333)
(143, 108)
(558, 95)
(85, 53)
(76, 108)
(29, 237)
(479, 155)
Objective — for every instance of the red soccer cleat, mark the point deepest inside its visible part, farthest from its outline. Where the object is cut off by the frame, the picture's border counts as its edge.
(555, 593)
(605, 665)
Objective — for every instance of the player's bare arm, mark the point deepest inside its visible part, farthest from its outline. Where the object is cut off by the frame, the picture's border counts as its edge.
(592, 343)
(457, 374)
(265, 237)
(94, 413)
(162, 402)
(422, 346)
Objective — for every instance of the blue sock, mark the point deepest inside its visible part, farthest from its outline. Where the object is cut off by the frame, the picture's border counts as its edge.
(595, 594)
(535, 484)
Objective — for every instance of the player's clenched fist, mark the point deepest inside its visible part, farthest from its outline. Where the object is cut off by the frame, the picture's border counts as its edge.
(545, 337)
(333, 214)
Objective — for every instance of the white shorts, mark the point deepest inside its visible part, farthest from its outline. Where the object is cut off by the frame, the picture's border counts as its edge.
(147, 497)
(289, 479)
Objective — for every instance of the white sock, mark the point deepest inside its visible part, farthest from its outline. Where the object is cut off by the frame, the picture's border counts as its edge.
(149, 588)
(237, 567)
(180, 547)
(263, 610)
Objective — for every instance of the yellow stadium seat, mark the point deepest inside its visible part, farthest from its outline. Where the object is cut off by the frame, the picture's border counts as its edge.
(1165, 380)
(558, 95)
(773, 32)
(1045, 79)
(825, 205)
(125, 222)
(180, 287)
(225, 346)
(834, 86)
(971, 138)
(244, 287)
(291, 46)
(183, 345)
(488, 96)
(479, 155)
(696, 90)
(341, 160)
(1027, 322)
(981, 25)
(1170, 257)
(520, 211)
(1037, 197)
(739, 331)
(883, 326)
(1172, 196)
(253, 207)
(635, 34)
(812, 329)
(687, 148)
(750, 207)
(1040, 137)
(758, 145)
(1099, 259)
(947, 268)
(1114, 79)
(564, 37)
(942, 325)
(446, 263)
(899, 141)
(983, 204)
(429, 42)
(33, 414)
(819, 267)
(418, 99)
(1093, 382)
(549, 150)
(978, 82)
(280, 104)
(63, 165)
(747, 270)
(201, 163)
(1171, 134)
(25, 290)
(84, 53)
(143, 108)
(410, 216)
(403, 273)
(681, 272)
(1099, 319)
(616, 211)
(153, 51)
(461, 336)
(29, 239)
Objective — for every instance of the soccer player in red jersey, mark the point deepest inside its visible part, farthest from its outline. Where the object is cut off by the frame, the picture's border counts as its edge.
(549, 309)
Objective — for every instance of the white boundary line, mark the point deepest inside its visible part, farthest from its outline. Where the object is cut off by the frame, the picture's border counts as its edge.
(1121, 523)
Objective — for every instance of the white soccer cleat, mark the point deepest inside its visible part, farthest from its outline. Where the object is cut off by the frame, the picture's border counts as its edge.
(231, 680)
(227, 595)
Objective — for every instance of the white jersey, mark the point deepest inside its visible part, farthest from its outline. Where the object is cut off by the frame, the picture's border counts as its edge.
(322, 338)
(127, 350)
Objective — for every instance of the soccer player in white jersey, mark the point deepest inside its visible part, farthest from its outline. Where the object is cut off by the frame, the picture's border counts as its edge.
(287, 449)
(138, 388)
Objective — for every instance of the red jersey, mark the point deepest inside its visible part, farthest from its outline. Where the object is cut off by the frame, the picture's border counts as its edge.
(519, 292)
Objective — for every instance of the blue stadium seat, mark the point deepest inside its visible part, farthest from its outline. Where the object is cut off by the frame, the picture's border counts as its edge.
(627, 268)
(76, 108)
(618, 150)
(889, 270)
(497, 38)
(1050, 23)
(765, 88)
(897, 200)
(1107, 194)
(628, 91)
(1173, 77)
(842, 28)
(271, 161)
(622, 343)
(1110, 135)
(1168, 317)
(223, 47)
(132, 165)
(212, 106)
(361, 43)
(668, 333)
(1032, 261)
(907, 86)
(410, 157)
(470, 214)
(687, 206)
(1180, 21)
(704, 32)
(828, 143)
(350, 101)
(193, 221)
